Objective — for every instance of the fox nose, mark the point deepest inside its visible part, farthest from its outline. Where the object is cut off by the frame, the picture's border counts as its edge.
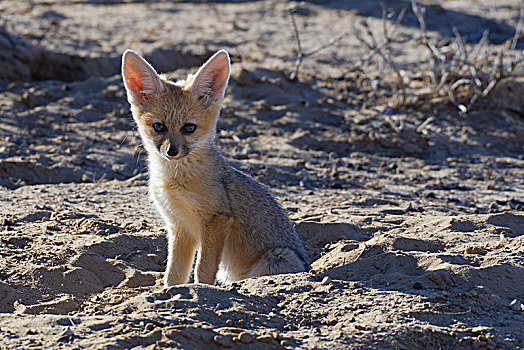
(172, 151)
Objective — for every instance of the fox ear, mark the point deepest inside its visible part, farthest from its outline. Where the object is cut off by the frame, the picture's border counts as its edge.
(140, 79)
(209, 84)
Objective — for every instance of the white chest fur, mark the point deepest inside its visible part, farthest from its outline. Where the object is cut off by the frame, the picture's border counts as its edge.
(178, 208)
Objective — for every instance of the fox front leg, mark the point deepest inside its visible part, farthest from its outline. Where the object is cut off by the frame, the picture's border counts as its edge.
(211, 247)
(181, 251)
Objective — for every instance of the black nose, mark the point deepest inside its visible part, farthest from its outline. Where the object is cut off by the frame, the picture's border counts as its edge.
(172, 151)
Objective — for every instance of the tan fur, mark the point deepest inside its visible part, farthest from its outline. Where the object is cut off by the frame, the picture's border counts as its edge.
(232, 220)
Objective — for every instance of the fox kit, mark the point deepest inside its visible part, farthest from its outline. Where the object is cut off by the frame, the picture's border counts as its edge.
(237, 227)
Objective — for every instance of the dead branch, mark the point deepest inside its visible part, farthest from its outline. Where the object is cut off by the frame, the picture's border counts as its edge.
(518, 29)
(301, 54)
(459, 73)
(364, 34)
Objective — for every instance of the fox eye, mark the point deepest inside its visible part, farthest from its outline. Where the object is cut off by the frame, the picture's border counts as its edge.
(189, 128)
(159, 127)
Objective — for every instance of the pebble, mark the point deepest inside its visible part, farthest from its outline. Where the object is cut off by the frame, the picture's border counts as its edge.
(481, 329)
(11, 86)
(85, 178)
(457, 199)
(154, 258)
(246, 337)
(418, 286)
(165, 344)
(326, 280)
(171, 333)
(66, 334)
(440, 277)
(265, 338)
(31, 331)
(223, 340)
(515, 305)
(27, 99)
(476, 250)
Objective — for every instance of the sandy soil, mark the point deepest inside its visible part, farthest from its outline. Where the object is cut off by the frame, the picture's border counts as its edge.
(416, 237)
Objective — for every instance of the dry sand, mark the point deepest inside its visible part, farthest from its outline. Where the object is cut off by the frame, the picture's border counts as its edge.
(416, 239)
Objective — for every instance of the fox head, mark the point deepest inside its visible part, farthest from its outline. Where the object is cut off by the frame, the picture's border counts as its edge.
(175, 119)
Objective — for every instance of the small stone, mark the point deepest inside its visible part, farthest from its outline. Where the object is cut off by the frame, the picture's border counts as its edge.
(441, 277)
(515, 305)
(493, 206)
(326, 280)
(361, 327)
(165, 344)
(85, 178)
(265, 338)
(481, 329)
(223, 340)
(246, 337)
(31, 331)
(229, 323)
(66, 334)
(284, 343)
(171, 333)
(27, 99)
(418, 286)
(476, 250)
(12, 85)
(154, 258)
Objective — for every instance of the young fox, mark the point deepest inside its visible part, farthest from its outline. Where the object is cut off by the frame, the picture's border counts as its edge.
(238, 227)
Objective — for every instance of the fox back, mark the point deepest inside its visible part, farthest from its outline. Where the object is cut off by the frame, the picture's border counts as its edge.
(233, 221)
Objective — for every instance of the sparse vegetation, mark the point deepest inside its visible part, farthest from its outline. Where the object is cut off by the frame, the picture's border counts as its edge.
(451, 70)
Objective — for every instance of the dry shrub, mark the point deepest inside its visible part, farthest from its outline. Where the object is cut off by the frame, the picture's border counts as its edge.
(453, 71)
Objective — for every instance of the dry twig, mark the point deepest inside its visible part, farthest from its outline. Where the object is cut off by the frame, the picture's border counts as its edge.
(459, 73)
(364, 34)
(301, 54)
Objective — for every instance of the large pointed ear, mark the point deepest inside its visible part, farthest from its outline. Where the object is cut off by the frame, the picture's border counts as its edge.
(140, 79)
(209, 84)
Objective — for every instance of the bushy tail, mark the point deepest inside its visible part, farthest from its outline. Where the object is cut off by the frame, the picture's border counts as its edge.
(277, 261)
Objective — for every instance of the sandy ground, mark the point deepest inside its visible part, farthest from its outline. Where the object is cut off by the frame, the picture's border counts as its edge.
(416, 237)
